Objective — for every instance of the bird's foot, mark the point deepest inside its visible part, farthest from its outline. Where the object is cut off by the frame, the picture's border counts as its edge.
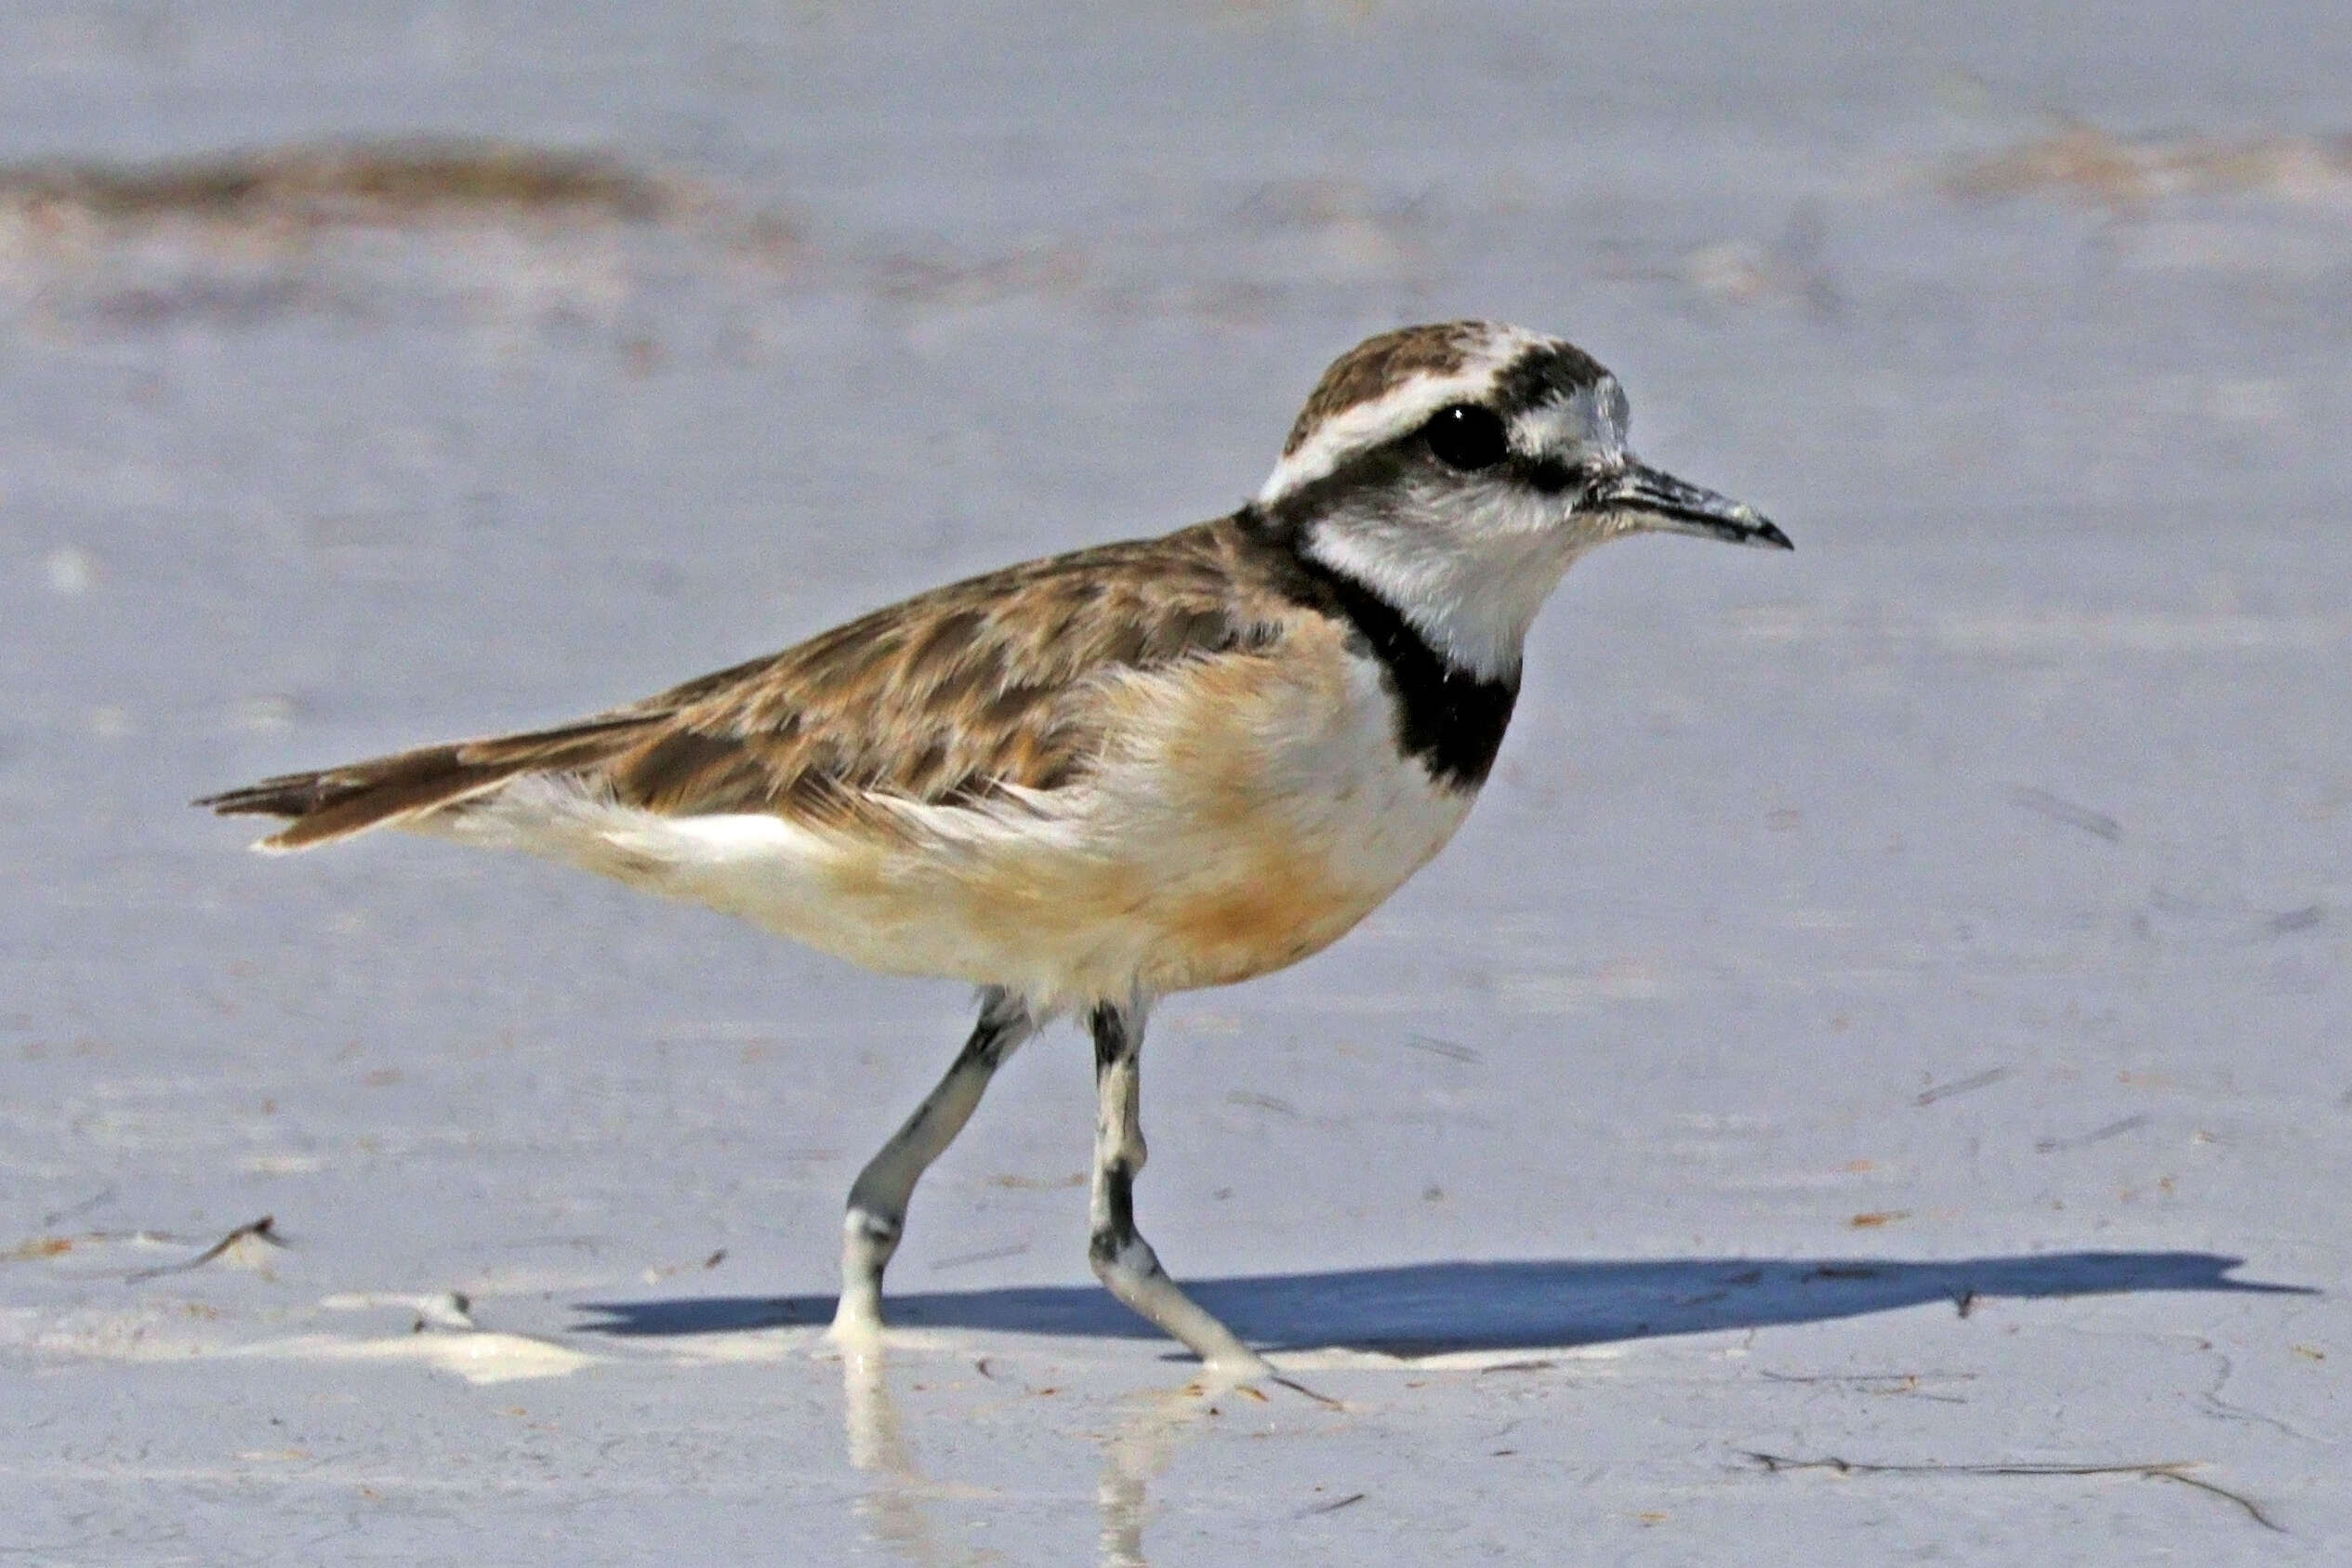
(1249, 1379)
(857, 1330)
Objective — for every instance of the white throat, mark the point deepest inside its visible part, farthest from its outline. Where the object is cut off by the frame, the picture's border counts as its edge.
(1471, 593)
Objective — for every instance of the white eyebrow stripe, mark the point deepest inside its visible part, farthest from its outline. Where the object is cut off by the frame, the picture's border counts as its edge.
(1594, 415)
(1369, 424)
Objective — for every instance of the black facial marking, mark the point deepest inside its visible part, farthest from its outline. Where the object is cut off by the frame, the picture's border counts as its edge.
(1549, 475)
(1449, 719)
(1467, 437)
(1545, 374)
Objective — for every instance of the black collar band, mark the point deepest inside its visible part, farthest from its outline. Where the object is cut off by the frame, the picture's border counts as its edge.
(1449, 718)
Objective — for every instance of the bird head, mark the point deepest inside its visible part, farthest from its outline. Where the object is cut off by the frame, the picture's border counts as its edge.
(1458, 470)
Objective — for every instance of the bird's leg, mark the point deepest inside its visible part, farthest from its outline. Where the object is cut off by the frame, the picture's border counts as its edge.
(877, 1199)
(1123, 1261)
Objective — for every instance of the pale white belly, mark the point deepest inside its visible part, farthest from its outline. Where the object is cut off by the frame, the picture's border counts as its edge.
(1249, 814)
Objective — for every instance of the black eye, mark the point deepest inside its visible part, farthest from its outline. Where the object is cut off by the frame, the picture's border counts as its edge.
(1465, 436)
(1551, 476)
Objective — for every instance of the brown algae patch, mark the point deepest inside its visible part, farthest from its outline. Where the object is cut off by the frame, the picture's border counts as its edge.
(2098, 168)
(361, 183)
(503, 233)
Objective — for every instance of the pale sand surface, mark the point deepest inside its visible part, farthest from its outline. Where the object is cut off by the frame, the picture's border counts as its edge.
(1957, 913)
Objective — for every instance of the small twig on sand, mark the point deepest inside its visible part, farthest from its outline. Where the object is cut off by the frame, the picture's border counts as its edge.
(1985, 1079)
(260, 1230)
(104, 1194)
(1332, 1506)
(1878, 1382)
(2113, 1129)
(2096, 823)
(2170, 1470)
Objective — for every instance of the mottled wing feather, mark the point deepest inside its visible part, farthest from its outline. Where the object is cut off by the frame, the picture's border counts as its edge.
(962, 694)
(333, 802)
(953, 695)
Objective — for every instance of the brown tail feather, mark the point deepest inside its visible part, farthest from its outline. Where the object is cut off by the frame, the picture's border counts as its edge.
(336, 802)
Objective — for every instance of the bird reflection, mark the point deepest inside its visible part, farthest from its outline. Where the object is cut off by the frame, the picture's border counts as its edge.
(898, 1509)
(895, 1509)
(1133, 1457)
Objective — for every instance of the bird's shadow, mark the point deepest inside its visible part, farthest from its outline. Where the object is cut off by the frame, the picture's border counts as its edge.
(1426, 1308)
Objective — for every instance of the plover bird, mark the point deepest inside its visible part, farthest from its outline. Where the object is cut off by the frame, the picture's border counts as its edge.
(1090, 781)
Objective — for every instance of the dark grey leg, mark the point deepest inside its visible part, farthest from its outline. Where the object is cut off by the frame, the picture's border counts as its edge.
(877, 1199)
(1123, 1261)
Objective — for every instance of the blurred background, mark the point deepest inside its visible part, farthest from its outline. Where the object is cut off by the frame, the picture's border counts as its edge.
(1974, 883)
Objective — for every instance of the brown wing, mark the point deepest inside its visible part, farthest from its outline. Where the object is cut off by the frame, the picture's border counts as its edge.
(951, 695)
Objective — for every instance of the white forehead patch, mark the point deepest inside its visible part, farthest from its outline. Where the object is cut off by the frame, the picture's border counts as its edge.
(1590, 417)
(1402, 408)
